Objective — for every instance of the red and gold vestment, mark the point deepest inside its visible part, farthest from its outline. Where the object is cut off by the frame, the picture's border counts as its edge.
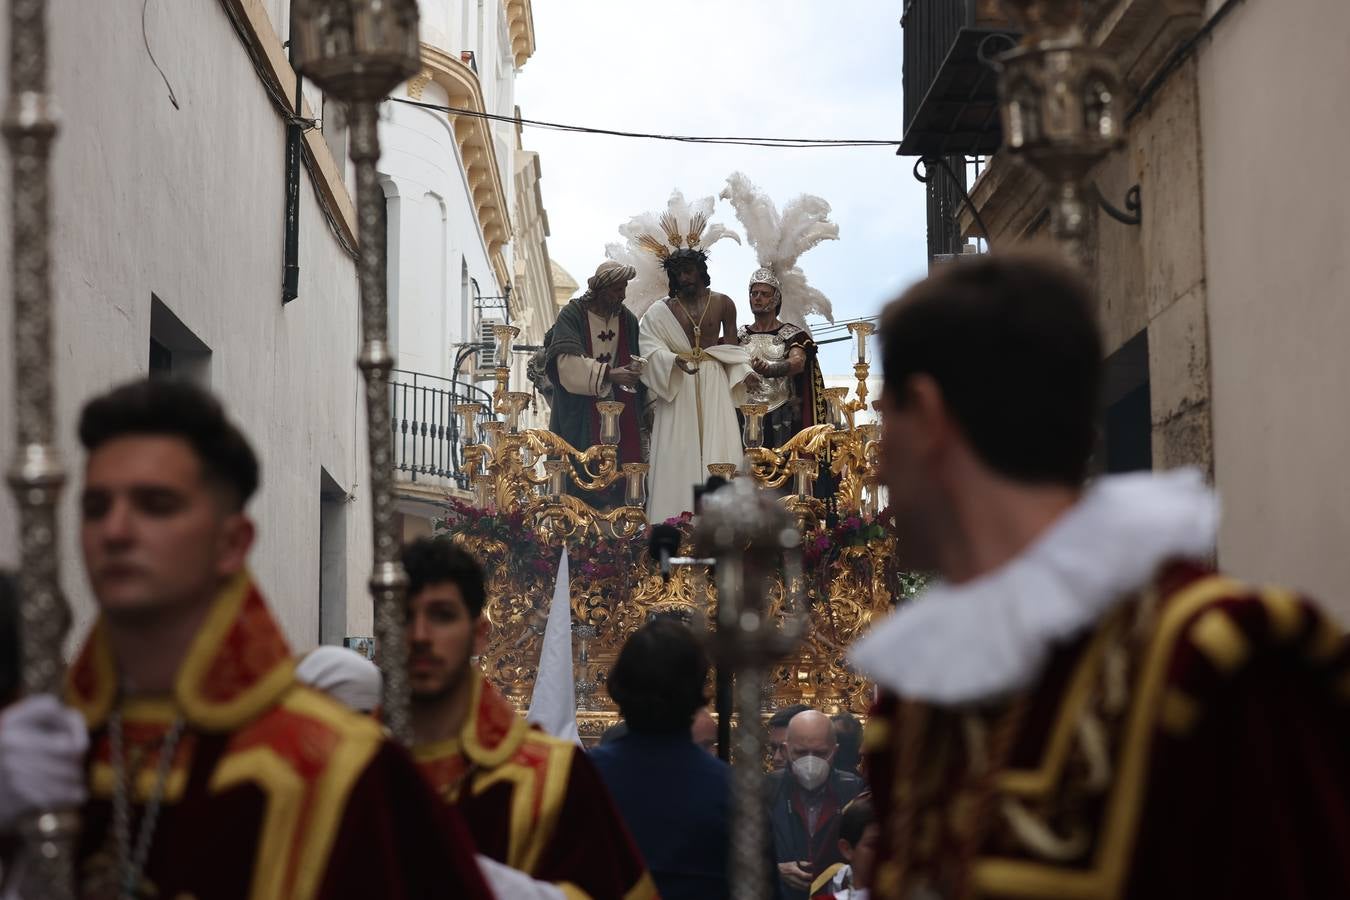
(274, 791)
(534, 802)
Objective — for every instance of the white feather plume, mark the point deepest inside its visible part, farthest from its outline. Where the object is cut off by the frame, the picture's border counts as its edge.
(779, 241)
(651, 283)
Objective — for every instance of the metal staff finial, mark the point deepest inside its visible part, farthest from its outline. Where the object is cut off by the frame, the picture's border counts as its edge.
(358, 51)
(36, 475)
(1061, 102)
(751, 536)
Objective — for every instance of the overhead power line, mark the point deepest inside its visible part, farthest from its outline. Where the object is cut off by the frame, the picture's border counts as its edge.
(788, 143)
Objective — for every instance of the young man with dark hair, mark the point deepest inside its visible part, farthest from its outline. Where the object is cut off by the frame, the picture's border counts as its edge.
(673, 794)
(212, 772)
(859, 836)
(1082, 706)
(532, 802)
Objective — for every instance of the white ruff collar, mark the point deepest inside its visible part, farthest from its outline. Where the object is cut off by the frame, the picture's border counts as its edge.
(974, 641)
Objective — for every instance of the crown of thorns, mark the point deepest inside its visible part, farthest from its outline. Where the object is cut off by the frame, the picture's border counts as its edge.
(677, 240)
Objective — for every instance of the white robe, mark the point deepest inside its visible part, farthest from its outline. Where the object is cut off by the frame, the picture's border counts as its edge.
(695, 422)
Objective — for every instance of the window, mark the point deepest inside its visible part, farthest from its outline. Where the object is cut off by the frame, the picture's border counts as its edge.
(174, 349)
(332, 560)
(1125, 442)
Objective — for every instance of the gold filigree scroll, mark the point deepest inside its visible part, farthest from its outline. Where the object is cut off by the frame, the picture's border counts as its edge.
(615, 587)
(843, 601)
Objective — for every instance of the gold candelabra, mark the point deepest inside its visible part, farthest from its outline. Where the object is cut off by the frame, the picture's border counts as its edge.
(845, 448)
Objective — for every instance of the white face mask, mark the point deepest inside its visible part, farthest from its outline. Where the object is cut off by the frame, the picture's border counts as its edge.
(811, 771)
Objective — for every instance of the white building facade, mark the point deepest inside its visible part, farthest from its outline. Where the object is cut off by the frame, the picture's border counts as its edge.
(168, 237)
(467, 236)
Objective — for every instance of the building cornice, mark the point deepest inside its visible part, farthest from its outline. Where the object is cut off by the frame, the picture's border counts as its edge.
(477, 149)
(520, 26)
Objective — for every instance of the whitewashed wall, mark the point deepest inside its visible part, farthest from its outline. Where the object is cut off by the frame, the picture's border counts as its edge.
(187, 204)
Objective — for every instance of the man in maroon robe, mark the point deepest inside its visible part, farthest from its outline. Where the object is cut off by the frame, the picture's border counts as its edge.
(212, 772)
(1082, 707)
(532, 801)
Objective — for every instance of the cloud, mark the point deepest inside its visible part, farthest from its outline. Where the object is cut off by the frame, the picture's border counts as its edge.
(782, 68)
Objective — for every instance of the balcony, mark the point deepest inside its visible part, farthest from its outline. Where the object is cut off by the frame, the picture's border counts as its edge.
(428, 445)
(951, 94)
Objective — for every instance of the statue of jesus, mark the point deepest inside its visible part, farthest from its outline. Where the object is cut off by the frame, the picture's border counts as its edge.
(696, 375)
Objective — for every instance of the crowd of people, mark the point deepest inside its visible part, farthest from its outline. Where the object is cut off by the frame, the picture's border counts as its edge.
(1082, 706)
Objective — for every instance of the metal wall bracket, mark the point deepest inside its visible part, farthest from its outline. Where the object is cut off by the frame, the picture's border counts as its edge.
(928, 162)
(1133, 212)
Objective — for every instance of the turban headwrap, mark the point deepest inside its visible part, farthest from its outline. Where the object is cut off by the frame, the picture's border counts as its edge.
(607, 274)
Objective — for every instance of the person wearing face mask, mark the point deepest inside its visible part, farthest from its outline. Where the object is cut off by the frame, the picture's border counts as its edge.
(807, 799)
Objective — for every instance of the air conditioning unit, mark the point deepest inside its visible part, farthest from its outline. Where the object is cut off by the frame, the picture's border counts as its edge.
(487, 354)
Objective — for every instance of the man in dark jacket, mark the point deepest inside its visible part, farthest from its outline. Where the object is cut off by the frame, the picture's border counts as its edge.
(674, 796)
(807, 799)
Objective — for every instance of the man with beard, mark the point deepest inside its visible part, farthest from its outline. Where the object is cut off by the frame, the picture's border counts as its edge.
(591, 354)
(212, 772)
(697, 373)
(532, 802)
(1082, 706)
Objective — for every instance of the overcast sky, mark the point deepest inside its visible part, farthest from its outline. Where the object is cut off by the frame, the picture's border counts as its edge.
(778, 68)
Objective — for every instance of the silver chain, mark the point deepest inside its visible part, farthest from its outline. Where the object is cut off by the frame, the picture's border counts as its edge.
(132, 864)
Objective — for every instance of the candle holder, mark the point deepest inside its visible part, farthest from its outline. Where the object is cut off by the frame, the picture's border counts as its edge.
(726, 471)
(635, 489)
(492, 433)
(514, 403)
(504, 338)
(862, 358)
(473, 458)
(834, 397)
(803, 476)
(609, 421)
(484, 492)
(468, 413)
(861, 331)
(503, 379)
(752, 434)
(556, 470)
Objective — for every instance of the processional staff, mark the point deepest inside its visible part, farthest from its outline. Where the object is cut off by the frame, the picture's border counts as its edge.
(357, 51)
(36, 475)
(751, 537)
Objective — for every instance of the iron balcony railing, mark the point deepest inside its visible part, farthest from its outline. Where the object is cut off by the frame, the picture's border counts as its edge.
(427, 440)
(930, 27)
(950, 87)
